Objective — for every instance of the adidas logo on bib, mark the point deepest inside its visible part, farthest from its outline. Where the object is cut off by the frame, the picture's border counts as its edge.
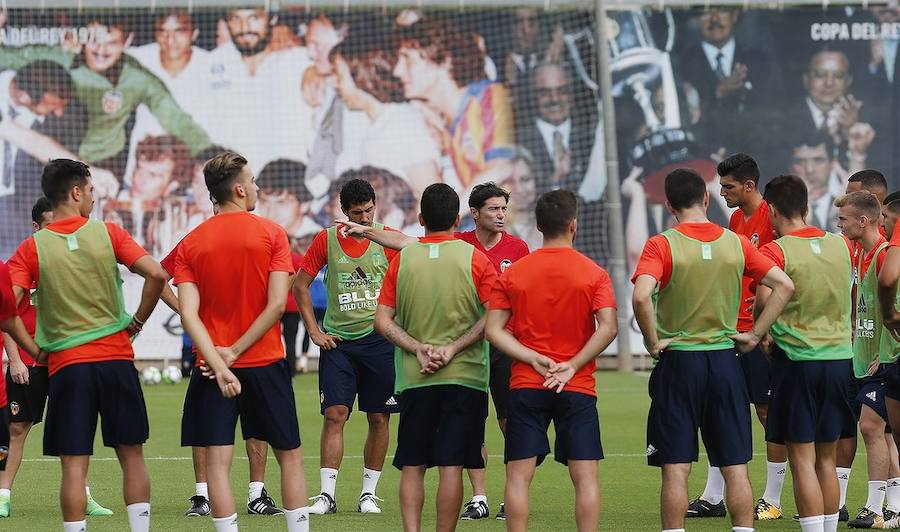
(343, 260)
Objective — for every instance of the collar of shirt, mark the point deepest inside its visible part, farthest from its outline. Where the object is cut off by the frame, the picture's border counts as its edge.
(547, 130)
(727, 51)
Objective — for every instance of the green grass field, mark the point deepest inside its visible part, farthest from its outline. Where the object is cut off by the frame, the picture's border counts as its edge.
(630, 488)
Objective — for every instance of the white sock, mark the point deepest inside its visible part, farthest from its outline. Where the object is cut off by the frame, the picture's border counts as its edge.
(87, 490)
(5, 493)
(297, 520)
(370, 480)
(815, 523)
(774, 482)
(139, 516)
(714, 491)
(741, 529)
(893, 494)
(255, 491)
(875, 500)
(831, 523)
(482, 498)
(226, 524)
(328, 477)
(843, 475)
(74, 526)
(202, 489)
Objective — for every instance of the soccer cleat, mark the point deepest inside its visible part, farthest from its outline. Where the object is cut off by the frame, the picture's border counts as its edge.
(501, 513)
(893, 522)
(701, 508)
(843, 514)
(5, 506)
(888, 514)
(263, 505)
(866, 519)
(766, 512)
(475, 510)
(322, 504)
(95, 510)
(368, 504)
(199, 506)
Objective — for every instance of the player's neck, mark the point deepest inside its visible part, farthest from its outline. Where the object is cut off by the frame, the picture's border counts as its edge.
(437, 234)
(447, 99)
(692, 215)
(792, 226)
(564, 241)
(488, 239)
(231, 206)
(751, 205)
(253, 62)
(175, 66)
(870, 239)
(63, 211)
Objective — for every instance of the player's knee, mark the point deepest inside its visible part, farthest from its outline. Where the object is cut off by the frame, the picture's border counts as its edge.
(872, 429)
(19, 430)
(762, 413)
(336, 415)
(378, 422)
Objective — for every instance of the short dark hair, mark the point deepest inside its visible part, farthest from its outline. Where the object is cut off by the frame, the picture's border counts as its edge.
(41, 206)
(284, 174)
(59, 176)
(371, 59)
(870, 180)
(892, 202)
(45, 77)
(440, 39)
(740, 167)
(554, 211)
(356, 190)
(485, 191)
(439, 207)
(788, 194)
(111, 20)
(684, 188)
(813, 138)
(220, 173)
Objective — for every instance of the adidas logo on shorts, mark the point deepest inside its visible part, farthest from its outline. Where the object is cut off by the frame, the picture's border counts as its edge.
(872, 396)
(391, 401)
(651, 449)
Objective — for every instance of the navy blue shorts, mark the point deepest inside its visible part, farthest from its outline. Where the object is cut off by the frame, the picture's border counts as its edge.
(705, 390)
(441, 425)
(851, 426)
(27, 401)
(871, 392)
(4, 437)
(574, 416)
(756, 372)
(364, 368)
(265, 406)
(809, 401)
(81, 391)
(499, 381)
(891, 381)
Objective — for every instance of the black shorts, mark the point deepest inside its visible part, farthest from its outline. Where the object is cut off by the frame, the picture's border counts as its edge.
(809, 400)
(850, 428)
(265, 406)
(871, 392)
(364, 368)
(27, 401)
(4, 437)
(756, 373)
(78, 393)
(705, 390)
(441, 425)
(499, 381)
(574, 416)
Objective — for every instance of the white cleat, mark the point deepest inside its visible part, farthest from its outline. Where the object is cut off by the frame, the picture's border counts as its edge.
(322, 504)
(368, 504)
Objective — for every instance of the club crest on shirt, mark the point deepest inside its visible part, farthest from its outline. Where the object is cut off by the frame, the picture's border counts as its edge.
(755, 240)
(112, 101)
(504, 264)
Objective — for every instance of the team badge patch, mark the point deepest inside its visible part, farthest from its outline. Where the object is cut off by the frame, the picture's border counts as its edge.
(14, 408)
(504, 264)
(112, 102)
(322, 398)
(755, 240)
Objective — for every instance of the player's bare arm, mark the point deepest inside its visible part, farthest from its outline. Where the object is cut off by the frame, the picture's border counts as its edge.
(304, 302)
(767, 308)
(154, 282)
(169, 298)
(387, 327)
(887, 290)
(645, 314)
(15, 328)
(189, 296)
(18, 371)
(607, 328)
(388, 239)
(279, 283)
(499, 336)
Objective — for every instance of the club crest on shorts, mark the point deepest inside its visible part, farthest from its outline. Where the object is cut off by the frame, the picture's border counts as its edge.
(504, 264)
(112, 101)
(14, 408)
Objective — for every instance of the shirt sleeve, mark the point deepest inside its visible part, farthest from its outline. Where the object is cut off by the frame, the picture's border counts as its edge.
(126, 249)
(281, 260)
(390, 253)
(604, 296)
(756, 265)
(500, 294)
(774, 253)
(388, 295)
(484, 275)
(655, 261)
(23, 265)
(8, 305)
(168, 263)
(317, 255)
(184, 271)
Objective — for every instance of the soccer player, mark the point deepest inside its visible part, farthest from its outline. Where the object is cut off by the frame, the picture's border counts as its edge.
(555, 337)
(87, 332)
(26, 385)
(258, 500)
(432, 308)
(739, 179)
(870, 180)
(355, 360)
(488, 205)
(859, 218)
(237, 336)
(887, 301)
(697, 268)
(811, 351)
